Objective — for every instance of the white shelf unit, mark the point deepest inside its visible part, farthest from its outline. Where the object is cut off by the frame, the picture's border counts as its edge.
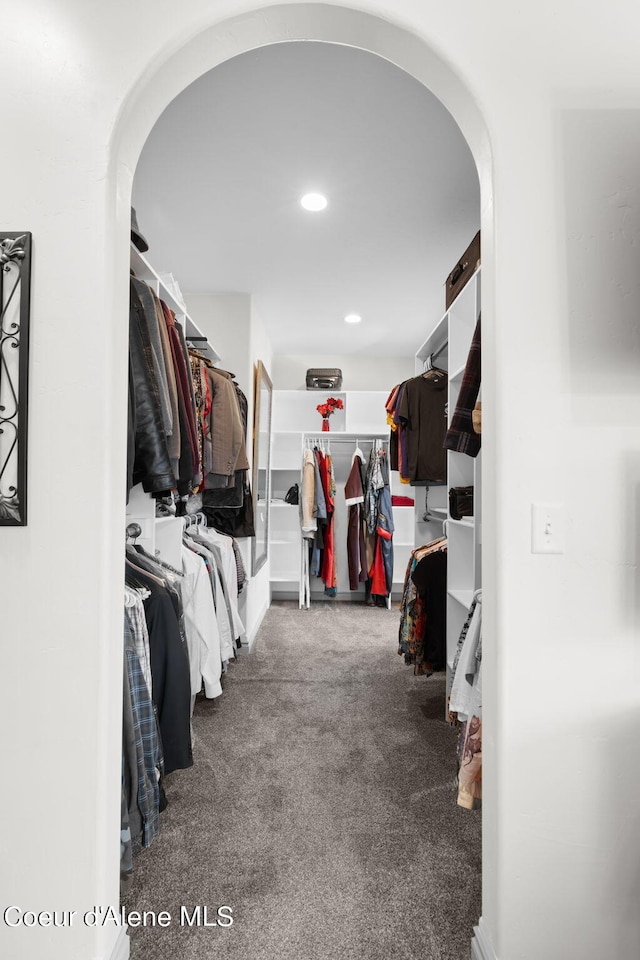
(451, 339)
(295, 418)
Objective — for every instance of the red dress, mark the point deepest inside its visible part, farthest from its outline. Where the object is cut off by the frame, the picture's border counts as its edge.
(328, 571)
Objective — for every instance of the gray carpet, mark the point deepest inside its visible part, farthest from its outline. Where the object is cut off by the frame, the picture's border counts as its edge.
(321, 807)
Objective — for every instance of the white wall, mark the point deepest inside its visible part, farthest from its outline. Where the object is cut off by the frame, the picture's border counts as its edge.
(358, 373)
(232, 326)
(559, 90)
(226, 320)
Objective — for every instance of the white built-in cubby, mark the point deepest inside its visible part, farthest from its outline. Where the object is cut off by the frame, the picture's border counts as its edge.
(296, 420)
(450, 341)
(162, 535)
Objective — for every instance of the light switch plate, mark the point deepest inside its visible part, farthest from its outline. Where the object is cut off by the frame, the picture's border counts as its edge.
(547, 528)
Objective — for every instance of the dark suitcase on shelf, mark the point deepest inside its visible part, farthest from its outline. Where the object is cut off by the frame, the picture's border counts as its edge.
(463, 270)
(324, 378)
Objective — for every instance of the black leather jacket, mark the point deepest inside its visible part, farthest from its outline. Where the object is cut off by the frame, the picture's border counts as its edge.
(148, 456)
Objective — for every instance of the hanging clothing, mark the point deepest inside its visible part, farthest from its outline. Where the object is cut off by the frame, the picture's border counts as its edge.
(316, 515)
(189, 458)
(157, 354)
(230, 509)
(465, 705)
(235, 522)
(223, 613)
(465, 697)
(171, 687)
(430, 579)
(134, 612)
(422, 411)
(398, 451)
(378, 523)
(222, 546)
(173, 441)
(418, 601)
(390, 407)
(227, 500)
(374, 482)
(470, 763)
(354, 494)
(241, 573)
(328, 570)
(148, 459)
(187, 422)
(201, 397)
(142, 756)
(227, 436)
(203, 635)
(461, 436)
(307, 496)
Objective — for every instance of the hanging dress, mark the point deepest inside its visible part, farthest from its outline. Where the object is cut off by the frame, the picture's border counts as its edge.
(328, 571)
(354, 494)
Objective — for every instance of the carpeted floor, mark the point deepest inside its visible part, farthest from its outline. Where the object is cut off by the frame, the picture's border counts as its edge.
(320, 808)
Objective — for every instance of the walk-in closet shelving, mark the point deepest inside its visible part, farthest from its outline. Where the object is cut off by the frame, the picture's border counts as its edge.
(449, 344)
(362, 420)
(162, 534)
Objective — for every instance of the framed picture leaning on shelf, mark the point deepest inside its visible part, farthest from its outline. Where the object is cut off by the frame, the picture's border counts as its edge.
(262, 390)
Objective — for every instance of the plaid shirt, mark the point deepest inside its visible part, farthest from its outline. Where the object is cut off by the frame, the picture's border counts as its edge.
(461, 436)
(373, 485)
(134, 610)
(241, 572)
(148, 751)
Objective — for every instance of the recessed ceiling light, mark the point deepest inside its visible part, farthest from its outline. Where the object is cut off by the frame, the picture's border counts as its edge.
(314, 202)
(352, 318)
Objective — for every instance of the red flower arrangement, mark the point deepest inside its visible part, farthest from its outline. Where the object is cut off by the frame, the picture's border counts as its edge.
(327, 408)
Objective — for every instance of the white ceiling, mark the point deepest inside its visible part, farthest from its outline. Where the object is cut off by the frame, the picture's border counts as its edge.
(218, 185)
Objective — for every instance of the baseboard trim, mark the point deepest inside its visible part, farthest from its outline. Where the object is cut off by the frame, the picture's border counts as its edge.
(121, 946)
(481, 946)
(252, 635)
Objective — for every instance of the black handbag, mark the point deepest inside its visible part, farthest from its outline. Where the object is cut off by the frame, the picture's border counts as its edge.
(460, 502)
(292, 495)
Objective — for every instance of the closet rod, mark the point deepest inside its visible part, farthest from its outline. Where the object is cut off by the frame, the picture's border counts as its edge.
(334, 439)
(197, 339)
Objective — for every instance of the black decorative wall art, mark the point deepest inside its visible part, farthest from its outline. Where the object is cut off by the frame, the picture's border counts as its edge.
(15, 281)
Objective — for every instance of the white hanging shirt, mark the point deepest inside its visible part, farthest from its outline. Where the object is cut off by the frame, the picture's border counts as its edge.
(201, 626)
(466, 690)
(230, 573)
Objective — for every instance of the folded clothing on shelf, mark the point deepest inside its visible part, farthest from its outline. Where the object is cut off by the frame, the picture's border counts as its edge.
(399, 501)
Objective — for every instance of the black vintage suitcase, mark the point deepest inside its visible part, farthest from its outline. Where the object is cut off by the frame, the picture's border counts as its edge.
(463, 270)
(324, 378)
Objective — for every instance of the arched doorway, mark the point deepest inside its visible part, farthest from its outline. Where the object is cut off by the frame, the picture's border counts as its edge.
(302, 22)
(159, 174)
(160, 81)
(333, 24)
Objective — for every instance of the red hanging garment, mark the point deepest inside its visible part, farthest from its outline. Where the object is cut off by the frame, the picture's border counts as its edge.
(328, 571)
